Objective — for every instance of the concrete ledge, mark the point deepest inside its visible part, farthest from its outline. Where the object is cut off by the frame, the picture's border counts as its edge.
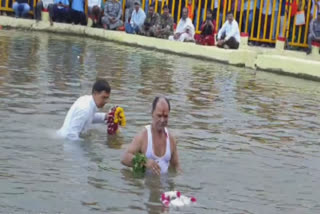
(274, 60)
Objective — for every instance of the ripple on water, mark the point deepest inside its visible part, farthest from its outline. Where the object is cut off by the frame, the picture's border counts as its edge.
(248, 141)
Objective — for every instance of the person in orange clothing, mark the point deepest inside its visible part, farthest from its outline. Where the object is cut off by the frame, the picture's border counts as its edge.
(190, 9)
(207, 31)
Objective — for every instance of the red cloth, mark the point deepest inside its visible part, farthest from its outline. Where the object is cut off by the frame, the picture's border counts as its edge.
(206, 39)
(294, 8)
(112, 127)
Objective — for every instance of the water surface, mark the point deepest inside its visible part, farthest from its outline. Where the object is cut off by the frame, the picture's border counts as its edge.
(248, 141)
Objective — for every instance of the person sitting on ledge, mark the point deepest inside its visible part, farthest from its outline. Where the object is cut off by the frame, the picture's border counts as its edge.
(21, 8)
(185, 29)
(207, 31)
(77, 14)
(94, 11)
(314, 34)
(229, 34)
(137, 19)
(165, 29)
(151, 23)
(59, 11)
(112, 15)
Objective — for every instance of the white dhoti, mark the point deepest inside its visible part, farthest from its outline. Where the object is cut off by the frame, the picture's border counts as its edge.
(186, 30)
(183, 37)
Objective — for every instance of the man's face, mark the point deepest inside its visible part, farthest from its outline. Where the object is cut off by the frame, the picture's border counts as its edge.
(190, 2)
(184, 13)
(160, 116)
(136, 7)
(166, 11)
(151, 10)
(230, 18)
(100, 98)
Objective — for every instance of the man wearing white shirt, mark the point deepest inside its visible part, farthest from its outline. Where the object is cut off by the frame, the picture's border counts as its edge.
(137, 19)
(83, 112)
(185, 29)
(229, 34)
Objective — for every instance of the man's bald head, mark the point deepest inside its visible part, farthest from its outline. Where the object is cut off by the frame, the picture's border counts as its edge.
(160, 100)
(160, 113)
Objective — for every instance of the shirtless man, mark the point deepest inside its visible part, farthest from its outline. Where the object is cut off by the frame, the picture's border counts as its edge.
(155, 141)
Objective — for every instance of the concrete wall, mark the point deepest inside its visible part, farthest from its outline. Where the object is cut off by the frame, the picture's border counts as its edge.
(274, 60)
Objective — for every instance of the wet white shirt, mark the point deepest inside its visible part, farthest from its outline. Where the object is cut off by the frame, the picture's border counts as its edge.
(80, 116)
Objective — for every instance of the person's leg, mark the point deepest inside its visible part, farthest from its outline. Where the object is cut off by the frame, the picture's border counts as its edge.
(119, 23)
(59, 15)
(37, 11)
(26, 9)
(51, 12)
(219, 44)
(198, 39)
(129, 29)
(153, 31)
(209, 40)
(105, 22)
(15, 8)
(83, 18)
(75, 17)
(137, 30)
(232, 43)
(183, 37)
(310, 39)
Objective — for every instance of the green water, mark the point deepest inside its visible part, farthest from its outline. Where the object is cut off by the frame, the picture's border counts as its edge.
(248, 141)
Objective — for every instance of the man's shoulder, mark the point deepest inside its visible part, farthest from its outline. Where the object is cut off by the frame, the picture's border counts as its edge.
(83, 103)
(142, 136)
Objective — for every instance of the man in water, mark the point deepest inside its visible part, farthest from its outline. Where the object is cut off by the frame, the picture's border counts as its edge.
(83, 112)
(155, 141)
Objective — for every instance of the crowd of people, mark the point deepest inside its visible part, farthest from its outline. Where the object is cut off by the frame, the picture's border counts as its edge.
(163, 25)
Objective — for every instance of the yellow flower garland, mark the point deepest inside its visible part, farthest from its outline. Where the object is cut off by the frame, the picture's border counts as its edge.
(119, 117)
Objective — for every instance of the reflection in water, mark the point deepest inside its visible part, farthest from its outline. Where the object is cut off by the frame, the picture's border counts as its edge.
(248, 141)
